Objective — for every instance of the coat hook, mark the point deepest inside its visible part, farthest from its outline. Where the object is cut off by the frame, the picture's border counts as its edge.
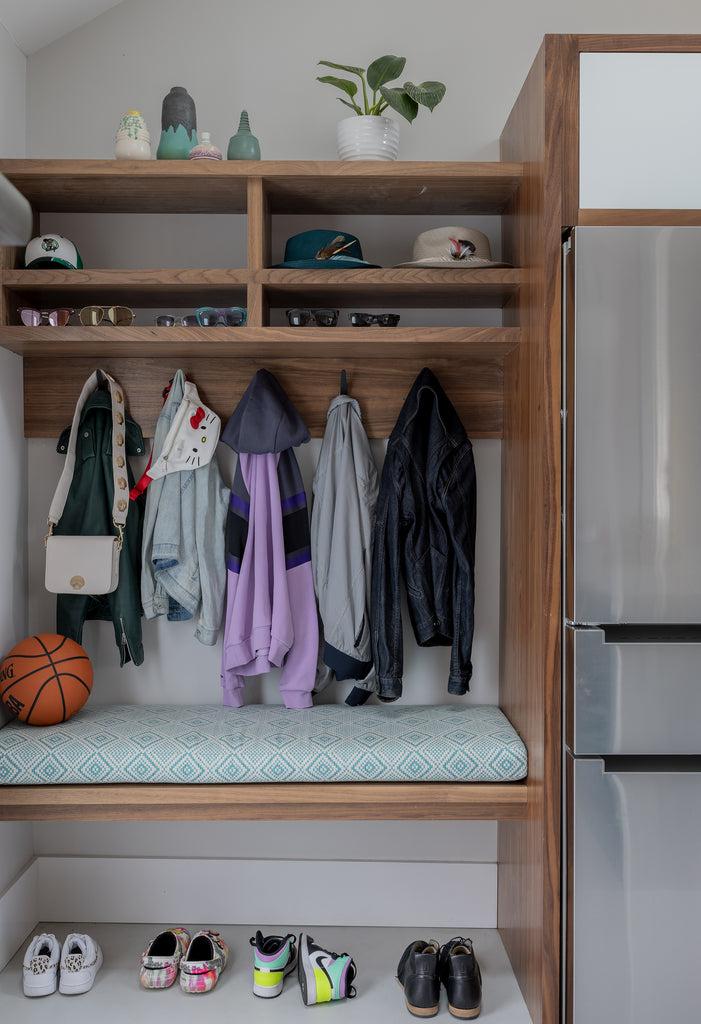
(344, 383)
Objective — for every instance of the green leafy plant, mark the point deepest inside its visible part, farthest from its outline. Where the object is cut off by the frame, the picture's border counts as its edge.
(376, 96)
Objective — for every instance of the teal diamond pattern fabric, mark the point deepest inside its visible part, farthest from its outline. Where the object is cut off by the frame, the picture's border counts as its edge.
(266, 743)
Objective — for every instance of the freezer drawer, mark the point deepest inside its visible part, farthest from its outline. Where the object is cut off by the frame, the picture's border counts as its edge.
(635, 889)
(634, 421)
(626, 696)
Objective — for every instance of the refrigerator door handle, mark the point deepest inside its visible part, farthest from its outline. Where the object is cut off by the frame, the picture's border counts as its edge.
(679, 764)
(651, 633)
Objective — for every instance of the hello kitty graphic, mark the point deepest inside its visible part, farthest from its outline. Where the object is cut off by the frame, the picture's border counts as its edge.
(192, 438)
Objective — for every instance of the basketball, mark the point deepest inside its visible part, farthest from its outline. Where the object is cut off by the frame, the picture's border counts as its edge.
(45, 679)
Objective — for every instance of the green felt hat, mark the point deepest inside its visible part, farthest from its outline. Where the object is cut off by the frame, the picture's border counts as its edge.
(333, 250)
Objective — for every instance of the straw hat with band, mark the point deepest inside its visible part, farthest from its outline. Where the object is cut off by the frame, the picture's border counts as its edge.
(459, 247)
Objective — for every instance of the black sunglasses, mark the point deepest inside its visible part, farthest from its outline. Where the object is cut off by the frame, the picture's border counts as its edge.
(320, 317)
(368, 319)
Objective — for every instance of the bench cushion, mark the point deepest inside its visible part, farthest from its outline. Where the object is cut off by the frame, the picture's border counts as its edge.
(265, 743)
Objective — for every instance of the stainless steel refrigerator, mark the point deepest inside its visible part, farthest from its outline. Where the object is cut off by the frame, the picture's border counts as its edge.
(632, 631)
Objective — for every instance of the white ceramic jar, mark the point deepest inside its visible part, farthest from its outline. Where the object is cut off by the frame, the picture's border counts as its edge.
(367, 137)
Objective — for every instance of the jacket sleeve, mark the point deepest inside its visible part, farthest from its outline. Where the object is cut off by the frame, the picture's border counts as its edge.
(210, 524)
(299, 668)
(460, 500)
(386, 617)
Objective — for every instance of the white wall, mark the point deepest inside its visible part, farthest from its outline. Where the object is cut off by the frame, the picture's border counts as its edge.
(15, 837)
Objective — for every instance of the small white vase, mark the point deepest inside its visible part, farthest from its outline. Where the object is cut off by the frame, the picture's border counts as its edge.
(367, 137)
(133, 140)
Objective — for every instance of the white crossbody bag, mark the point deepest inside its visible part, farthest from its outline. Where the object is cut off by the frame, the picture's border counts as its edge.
(87, 564)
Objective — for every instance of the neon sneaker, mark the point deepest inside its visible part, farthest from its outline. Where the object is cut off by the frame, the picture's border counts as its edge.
(160, 962)
(324, 976)
(81, 959)
(40, 966)
(274, 957)
(204, 961)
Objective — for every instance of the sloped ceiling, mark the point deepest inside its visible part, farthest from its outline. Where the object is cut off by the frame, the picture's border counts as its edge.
(34, 24)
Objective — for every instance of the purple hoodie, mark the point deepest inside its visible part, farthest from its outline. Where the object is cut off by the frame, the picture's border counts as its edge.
(271, 616)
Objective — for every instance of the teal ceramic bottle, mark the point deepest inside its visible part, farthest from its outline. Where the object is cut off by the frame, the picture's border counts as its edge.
(178, 125)
(244, 145)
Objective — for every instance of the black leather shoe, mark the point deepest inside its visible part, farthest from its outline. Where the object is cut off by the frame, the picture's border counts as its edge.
(417, 973)
(460, 973)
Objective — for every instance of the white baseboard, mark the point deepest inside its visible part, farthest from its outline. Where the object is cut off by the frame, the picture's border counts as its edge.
(267, 892)
(19, 911)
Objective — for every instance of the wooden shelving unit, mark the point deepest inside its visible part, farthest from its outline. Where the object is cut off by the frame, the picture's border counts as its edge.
(382, 362)
(501, 380)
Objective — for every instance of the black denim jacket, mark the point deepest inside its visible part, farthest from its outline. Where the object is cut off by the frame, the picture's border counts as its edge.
(425, 531)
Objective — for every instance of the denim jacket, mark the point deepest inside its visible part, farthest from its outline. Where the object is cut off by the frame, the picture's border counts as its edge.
(183, 552)
(426, 513)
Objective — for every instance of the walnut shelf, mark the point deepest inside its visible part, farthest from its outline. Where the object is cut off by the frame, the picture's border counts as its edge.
(359, 801)
(178, 186)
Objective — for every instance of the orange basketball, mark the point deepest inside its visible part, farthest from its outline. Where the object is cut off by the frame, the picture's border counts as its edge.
(45, 679)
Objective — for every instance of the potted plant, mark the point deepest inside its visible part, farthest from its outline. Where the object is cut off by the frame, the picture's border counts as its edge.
(370, 135)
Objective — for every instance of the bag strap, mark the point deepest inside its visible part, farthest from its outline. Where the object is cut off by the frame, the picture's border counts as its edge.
(120, 504)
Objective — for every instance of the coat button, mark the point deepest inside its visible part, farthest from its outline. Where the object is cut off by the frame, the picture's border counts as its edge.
(119, 418)
(120, 461)
(119, 439)
(121, 483)
(121, 504)
(118, 397)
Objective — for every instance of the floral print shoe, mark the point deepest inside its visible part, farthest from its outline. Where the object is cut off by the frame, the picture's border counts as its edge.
(160, 962)
(205, 960)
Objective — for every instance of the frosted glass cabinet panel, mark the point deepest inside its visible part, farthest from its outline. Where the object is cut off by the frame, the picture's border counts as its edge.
(640, 131)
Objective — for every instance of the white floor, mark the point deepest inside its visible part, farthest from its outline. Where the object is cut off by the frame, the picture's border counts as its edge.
(117, 993)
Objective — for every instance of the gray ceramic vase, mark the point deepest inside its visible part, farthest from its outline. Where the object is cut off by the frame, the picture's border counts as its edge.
(178, 125)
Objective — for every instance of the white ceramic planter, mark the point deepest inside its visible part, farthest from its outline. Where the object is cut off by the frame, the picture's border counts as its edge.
(367, 138)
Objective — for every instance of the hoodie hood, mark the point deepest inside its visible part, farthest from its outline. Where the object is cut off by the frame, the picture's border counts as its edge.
(265, 420)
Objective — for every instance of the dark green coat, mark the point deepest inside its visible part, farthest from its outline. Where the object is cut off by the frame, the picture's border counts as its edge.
(88, 511)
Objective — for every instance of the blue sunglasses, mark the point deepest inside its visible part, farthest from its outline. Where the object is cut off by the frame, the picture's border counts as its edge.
(234, 316)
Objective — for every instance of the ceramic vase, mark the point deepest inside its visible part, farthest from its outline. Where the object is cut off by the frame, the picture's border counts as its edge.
(178, 125)
(367, 137)
(133, 139)
(205, 148)
(244, 145)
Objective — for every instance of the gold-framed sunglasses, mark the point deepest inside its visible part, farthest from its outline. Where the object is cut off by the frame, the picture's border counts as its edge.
(120, 316)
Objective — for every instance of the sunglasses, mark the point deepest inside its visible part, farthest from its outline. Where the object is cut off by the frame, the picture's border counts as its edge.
(234, 316)
(33, 317)
(120, 316)
(320, 317)
(368, 319)
(168, 320)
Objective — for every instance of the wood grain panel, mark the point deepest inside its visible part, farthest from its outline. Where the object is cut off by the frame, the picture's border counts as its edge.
(529, 909)
(52, 386)
(164, 289)
(164, 186)
(414, 288)
(624, 218)
(375, 801)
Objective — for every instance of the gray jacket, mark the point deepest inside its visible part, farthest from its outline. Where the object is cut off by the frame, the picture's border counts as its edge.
(183, 552)
(342, 530)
